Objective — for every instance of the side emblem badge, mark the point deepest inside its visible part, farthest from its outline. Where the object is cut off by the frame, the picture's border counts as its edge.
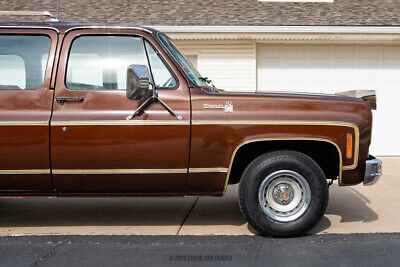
(228, 107)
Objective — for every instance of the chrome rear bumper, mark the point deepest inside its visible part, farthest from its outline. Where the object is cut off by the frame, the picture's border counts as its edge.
(373, 170)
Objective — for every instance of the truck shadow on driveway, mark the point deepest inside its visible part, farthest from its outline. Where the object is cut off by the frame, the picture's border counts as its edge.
(205, 216)
(92, 211)
(352, 207)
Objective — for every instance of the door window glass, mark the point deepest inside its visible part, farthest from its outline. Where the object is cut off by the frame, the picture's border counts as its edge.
(187, 67)
(101, 62)
(161, 74)
(22, 58)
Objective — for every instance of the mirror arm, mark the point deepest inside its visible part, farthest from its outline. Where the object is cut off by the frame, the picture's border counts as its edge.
(151, 100)
(141, 108)
(170, 110)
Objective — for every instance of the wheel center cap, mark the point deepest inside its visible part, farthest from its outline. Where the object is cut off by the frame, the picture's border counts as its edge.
(283, 194)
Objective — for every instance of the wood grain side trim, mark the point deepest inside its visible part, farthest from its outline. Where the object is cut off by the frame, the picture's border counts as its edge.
(33, 171)
(118, 171)
(207, 170)
(23, 123)
(120, 123)
(317, 123)
(138, 171)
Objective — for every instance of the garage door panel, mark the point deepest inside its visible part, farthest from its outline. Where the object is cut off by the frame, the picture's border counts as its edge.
(344, 52)
(334, 68)
(342, 63)
(269, 63)
(319, 52)
(391, 64)
(391, 53)
(269, 52)
(294, 51)
(318, 63)
(368, 52)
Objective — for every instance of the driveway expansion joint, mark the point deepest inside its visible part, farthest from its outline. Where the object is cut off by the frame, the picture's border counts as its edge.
(187, 216)
(49, 254)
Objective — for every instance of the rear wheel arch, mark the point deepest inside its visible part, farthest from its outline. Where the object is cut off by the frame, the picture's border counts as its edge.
(244, 153)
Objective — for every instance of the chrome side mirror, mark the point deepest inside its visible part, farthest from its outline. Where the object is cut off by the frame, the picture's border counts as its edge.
(137, 82)
(137, 87)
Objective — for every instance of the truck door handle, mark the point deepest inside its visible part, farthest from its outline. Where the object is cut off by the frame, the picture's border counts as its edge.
(62, 100)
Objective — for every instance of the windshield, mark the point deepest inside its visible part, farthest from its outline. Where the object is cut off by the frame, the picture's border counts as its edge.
(191, 71)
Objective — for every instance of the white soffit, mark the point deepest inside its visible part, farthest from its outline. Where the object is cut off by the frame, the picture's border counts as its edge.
(284, 33)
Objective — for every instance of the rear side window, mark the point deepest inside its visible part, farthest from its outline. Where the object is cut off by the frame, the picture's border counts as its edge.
(23, 61)
(101, 62)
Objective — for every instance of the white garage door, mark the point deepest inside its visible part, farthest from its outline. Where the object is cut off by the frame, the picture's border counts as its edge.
(333, 68)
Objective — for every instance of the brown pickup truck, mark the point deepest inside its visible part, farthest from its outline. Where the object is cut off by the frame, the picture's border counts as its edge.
(100, 110)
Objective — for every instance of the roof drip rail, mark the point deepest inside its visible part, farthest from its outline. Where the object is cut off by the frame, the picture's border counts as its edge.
(30, 13)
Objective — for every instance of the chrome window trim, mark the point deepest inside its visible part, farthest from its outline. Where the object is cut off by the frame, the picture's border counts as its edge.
(108, 27)
(30, 27)
(78, 28)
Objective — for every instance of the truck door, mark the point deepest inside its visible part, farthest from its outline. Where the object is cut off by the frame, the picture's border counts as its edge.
(26, 60)
(95, 149)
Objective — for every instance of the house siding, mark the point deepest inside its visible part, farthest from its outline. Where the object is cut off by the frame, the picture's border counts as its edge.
(230, 65)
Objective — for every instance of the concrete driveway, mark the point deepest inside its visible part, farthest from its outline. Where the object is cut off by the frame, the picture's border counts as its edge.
(356, 209)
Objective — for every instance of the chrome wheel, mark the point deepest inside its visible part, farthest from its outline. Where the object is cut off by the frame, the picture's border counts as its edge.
(284, 195)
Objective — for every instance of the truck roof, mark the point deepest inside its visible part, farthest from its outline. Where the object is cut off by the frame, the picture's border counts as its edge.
(68, 26)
